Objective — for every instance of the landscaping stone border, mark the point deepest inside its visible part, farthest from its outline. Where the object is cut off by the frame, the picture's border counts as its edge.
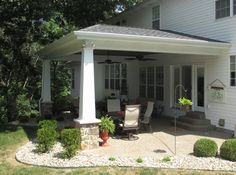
(27, 155)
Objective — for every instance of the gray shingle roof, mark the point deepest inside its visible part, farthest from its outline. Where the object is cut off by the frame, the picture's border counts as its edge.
(102, 28)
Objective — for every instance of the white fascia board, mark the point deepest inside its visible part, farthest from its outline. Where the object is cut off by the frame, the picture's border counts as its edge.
(172, 41)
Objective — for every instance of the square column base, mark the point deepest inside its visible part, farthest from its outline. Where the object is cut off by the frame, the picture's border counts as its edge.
(46, 110)
(89, 135)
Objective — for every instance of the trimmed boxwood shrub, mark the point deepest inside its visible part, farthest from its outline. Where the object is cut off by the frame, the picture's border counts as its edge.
(48, 124)
(228, 150)
(46, 135)
(70, 139)
(205, 148)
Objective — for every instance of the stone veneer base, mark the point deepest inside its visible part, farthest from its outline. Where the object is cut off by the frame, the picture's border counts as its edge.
(89, 135)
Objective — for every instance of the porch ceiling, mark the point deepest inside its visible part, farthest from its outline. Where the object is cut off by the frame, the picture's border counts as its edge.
(126, 39)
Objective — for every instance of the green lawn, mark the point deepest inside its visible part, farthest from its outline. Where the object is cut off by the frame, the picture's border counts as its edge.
(12, 138)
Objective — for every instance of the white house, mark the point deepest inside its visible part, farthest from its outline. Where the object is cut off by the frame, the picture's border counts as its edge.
(157, 45)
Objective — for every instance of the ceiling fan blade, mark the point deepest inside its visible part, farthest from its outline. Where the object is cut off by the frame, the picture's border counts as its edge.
(101, 62)
(147, 59)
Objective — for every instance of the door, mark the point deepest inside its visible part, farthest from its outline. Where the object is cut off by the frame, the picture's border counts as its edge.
(199, 100)
(182, 82)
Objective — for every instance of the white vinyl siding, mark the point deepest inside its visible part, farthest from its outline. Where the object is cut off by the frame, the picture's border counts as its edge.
(179, 15)
(187, 16)
(222, 8)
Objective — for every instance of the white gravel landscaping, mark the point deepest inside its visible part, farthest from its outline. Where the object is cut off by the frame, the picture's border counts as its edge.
(87, 158)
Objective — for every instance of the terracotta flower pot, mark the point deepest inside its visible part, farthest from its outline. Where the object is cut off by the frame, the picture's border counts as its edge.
(104, 137)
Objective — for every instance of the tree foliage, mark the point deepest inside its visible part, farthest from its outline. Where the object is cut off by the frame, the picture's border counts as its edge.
(26, 26)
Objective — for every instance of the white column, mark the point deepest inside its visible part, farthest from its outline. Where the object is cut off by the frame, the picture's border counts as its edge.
(87, 111)
(46, 82)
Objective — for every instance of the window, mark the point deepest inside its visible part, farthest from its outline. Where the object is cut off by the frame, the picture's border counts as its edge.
(222, 8)
(73, 78)
(156, 17)
(143, 82)
(151, 82)
(234, 7)
(160, 83)
(116, 77)
(233, 71)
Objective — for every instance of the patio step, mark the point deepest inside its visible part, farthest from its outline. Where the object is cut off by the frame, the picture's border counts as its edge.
(194, 121)
(196, 115)
(192, 127)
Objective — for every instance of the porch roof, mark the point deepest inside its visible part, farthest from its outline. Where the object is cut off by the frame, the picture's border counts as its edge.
(111, 37)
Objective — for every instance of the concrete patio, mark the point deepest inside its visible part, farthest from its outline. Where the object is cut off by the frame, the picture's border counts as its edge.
(160, 142)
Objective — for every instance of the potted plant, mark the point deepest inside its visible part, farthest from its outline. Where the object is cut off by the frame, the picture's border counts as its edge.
(185, 104)
(106, 126)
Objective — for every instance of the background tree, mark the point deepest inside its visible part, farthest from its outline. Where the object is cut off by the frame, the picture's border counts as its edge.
(26, 26)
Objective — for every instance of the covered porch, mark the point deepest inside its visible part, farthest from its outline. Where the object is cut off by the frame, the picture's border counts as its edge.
(155, 62)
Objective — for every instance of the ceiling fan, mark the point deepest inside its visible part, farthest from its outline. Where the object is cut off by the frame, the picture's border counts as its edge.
(140, 58)
(108, 61)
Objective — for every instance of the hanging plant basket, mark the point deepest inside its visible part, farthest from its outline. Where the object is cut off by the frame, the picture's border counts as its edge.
(185, 104)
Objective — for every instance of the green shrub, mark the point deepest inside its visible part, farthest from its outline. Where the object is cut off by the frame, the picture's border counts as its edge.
(46, 135)
(70, 139)
(205, 148)
(228, 150)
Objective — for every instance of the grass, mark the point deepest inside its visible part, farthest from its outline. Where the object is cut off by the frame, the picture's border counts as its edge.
(139, 160)
(112, 158)
(13, 137)
(166, 159)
